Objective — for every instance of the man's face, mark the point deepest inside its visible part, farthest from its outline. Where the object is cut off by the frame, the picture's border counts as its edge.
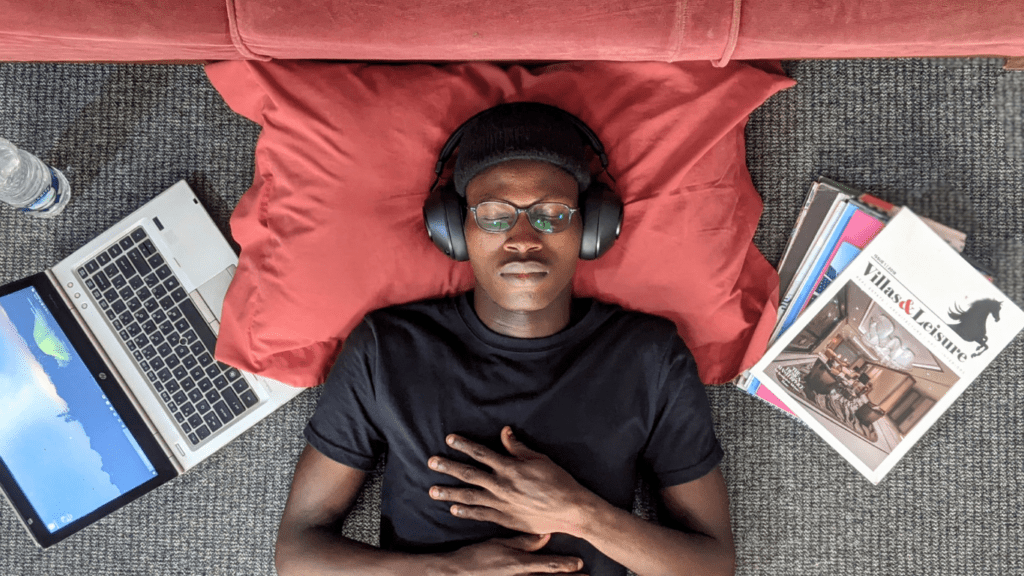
(522, 269)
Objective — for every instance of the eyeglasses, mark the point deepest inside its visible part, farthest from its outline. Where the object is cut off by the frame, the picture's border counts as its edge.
(545, 217)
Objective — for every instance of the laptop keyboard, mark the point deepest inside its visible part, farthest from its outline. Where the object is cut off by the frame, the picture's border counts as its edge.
(165, 332)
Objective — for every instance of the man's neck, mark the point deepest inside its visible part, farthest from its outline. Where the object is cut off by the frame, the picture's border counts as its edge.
(524, 324)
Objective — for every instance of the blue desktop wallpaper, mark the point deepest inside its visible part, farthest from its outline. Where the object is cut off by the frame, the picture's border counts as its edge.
(64, 444)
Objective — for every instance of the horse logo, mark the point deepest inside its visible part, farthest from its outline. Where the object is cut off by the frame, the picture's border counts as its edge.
(970, 323)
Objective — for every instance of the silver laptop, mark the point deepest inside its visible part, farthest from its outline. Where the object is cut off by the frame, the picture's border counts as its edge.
(108, 385)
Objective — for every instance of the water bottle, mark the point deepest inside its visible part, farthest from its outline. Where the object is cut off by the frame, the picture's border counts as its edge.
(30, 185)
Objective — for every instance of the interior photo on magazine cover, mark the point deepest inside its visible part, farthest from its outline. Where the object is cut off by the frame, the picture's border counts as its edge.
(864, 377)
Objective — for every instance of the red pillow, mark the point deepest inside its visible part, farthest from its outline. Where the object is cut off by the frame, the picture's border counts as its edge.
(332, 226)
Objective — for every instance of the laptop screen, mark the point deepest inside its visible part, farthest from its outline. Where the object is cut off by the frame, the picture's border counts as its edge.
(63, 443)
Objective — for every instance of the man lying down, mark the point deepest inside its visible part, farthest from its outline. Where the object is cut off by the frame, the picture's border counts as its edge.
(515, 418)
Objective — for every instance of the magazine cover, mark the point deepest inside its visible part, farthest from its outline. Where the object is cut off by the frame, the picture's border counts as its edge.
(889, 345)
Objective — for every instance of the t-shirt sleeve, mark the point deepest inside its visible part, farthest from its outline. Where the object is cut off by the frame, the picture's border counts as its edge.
(682, 445)
(344, 426)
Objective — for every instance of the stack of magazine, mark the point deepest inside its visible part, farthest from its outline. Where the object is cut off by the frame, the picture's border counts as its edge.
(882, 325)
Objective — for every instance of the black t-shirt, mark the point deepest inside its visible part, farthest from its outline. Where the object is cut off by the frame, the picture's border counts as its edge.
(614, 394)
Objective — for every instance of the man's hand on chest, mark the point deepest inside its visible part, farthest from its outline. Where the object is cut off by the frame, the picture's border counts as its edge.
(524, 491)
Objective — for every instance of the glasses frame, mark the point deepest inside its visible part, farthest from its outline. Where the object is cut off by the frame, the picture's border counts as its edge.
(518, 211)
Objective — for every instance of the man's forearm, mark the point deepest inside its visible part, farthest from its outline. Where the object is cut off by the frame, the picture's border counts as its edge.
(649, 549)
(318, 551)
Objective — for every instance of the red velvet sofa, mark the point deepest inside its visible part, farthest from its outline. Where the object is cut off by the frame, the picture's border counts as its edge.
(523, 30)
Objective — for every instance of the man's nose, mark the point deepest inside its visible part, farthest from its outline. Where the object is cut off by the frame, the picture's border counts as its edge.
(523, 237)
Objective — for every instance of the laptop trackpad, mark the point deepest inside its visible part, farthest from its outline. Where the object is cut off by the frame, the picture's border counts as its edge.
(214, 290)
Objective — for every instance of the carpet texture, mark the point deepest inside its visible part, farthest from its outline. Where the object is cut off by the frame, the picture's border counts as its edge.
(945, 137)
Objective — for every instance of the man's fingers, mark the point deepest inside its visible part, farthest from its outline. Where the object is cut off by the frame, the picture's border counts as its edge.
(545, 564)
(514, 446)
(466, 473)
(476, 451)
(464, 496)
(525, 542)
(481, 514)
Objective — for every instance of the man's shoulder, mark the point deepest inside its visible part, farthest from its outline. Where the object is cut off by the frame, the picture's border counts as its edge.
(433, 310)
(657, 327)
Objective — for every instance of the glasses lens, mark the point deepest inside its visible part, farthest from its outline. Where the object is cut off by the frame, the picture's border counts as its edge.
(549, 217)
(495, 216)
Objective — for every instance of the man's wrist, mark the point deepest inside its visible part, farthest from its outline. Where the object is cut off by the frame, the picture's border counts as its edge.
(588, 515)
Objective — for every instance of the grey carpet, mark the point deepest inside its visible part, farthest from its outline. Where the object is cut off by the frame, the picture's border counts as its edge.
(945, 137)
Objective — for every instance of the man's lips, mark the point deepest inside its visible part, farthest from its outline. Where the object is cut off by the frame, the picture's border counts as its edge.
(523, 268)
(526, 273)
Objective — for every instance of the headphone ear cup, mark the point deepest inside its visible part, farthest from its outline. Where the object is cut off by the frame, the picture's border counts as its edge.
(602, 220)
(443, 216)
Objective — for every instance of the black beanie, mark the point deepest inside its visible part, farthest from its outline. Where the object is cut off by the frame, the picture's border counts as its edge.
(520, 131)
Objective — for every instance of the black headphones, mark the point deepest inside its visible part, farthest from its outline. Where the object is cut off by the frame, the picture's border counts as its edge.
(444, 212)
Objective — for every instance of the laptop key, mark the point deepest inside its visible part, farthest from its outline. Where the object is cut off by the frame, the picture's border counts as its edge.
(91, 286)
(173, 386)
(187, 409)
(205, 384)
(221, 382)
(131, 345)
(163, 272)
(164, 374)
(126, 318)
(179, 417)
(172, 361)
(240, 386)
(149, 352)
(188, 383)
(195, 394)
(171, 283)
(126, 242)
(82, 272)
(103, 259)
(125, 266)
(190, 362)
(134, 304)
(193, 438)
(111, 315)
(136, 282)
(213, 371)
(138, 235)
(139, 261)
(202, 432)
(156, 363)
(144, 365)
(151, 306)
(104, 305)
(156, 337)
(152, 281)
(202, 406)
(101, 280)
(212, 421)
(166, 329)
(233, 402)
(110, 270)
(166, 397)
(223, 411)
(179, 397)
(212, 396)
(92, 266)
(173, 407)
(249, 398)
(155, 260)
(118, 281)
(173, 337)
(118, 306)
(196, 372)
(186, 426)
(196, 420)
(147, 248)
(179, 373)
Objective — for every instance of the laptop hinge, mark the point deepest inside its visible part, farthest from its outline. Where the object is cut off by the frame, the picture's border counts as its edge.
(172, 455)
